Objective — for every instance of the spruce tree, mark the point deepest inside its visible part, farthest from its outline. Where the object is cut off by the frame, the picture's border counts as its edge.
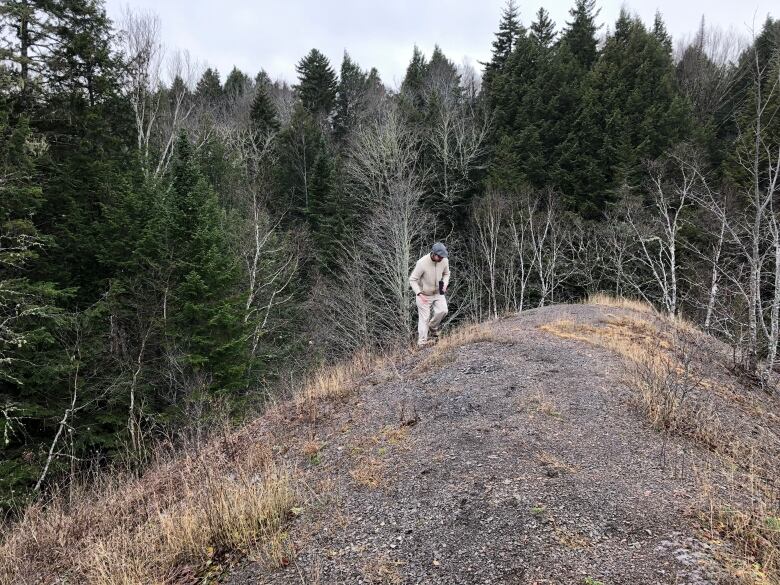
(416, 71)
(209, 87)
(580, 33)
(352, 90)
(631, 112)
(82, 61)
(236, 83)
(325, 215)
(26, 36)
(206, 318)
(442, 78)
(509, 29)
(660, 33)
(262, 78)
(317, 84)
(298, 146)
(758, 115)
(543, 29)
(263, 112)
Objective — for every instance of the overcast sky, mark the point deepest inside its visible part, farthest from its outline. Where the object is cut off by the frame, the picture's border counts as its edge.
(274, 35)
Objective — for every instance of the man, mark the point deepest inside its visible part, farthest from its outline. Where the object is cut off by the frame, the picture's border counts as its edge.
(429, 281)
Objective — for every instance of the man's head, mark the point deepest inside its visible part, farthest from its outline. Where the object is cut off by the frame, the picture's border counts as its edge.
(438, 251)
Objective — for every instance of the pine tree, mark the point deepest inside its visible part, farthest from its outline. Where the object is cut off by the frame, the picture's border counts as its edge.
(25, 38)
(263, 112)
(325, 215)
(236, 83)
(543, 29)
(352, 90)
(206, 321)
(631, 112)
(298, 146)
(316, 84)
(580, 33)
(509, 29)
(209, 88)
(660, 33)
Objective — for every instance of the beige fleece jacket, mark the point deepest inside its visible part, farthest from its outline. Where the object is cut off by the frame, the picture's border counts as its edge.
(426, 275)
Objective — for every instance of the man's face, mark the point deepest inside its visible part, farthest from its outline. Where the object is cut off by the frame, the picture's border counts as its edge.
(435, 257)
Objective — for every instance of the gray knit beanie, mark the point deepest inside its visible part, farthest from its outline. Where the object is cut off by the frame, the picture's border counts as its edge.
(439, 249)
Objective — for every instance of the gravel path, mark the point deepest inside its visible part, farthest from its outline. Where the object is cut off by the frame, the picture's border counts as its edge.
(525, 464)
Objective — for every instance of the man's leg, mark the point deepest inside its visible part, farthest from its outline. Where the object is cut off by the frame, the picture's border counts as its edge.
(423, 315)
(439, 308)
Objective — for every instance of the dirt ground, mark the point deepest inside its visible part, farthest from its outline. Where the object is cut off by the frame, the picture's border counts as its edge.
(516, 460)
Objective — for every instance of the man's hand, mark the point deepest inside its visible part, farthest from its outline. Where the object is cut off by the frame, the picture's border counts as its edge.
(422, 298)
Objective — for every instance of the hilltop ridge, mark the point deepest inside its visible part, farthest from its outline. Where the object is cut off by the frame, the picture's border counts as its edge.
(524, 450)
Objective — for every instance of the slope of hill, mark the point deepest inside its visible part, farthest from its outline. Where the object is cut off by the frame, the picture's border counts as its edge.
(570, 444)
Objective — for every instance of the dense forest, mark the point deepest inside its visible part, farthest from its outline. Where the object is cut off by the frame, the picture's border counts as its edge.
(175, 249)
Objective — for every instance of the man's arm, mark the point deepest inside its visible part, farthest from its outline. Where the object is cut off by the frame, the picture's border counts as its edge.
(446, 273)
(414, 278)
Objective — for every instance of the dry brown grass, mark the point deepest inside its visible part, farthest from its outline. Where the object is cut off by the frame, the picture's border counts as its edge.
(368, 472)
(554, 463)
(540, 402)
(334, 383)
(231, 498)
(382, 571)
(153, 529)
(601, 298)
(668, 367)
(659, 364)
(442, 353)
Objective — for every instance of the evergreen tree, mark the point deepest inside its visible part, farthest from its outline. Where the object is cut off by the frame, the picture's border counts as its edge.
(298, 148)
(325, 214)
(416, 71)
(26, 305)
(81, 62)
(580, 33)
(209, 88)
(442, 79)
(352, 90)
(659, 32)
(631, 112)
(543, 29)
(316, 84)
(25, 39)
(758, 114)
(517, 118)
(263, 113)
(236, 83)
(262, 78)
(206, 321)
(509, 29)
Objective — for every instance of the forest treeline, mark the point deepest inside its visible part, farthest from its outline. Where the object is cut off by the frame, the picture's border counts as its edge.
(174, 248)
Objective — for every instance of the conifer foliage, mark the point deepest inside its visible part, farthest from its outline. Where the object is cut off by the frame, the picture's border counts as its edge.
(173, 249)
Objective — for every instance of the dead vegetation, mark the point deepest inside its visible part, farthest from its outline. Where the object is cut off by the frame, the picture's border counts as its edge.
(331, 384)
(175, 520)
(442, 352)
(681, 387)
(189, 514)
(184, 514)
(620, 303)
